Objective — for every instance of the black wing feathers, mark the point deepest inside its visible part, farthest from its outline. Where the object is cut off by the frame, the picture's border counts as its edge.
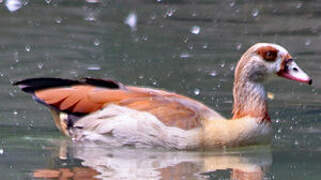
(34, 84)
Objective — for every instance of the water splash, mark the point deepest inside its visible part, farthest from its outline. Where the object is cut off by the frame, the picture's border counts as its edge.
(90, 17)
(232, 67)
(255, 12)
(170, 12)
(197, 91)
(205, 46)
(40, 65)
(144, 37)
(28, 48)
(48, 1)
(232, 3)
(58, 20)
(153, 17)
(238, 46)
(94, 68)
(16, 56)
(131, 21)
(195, 30)
(13, 5)
(213, 73)
(93, 1)
(299, 5)
(96, 42)
(185, 55)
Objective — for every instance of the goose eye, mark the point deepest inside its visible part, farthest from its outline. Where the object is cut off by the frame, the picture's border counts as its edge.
(268, 53)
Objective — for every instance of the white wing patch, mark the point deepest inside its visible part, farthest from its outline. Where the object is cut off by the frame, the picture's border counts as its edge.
(119, 126)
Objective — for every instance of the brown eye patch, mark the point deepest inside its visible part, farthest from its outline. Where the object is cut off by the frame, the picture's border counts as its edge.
(268, 53)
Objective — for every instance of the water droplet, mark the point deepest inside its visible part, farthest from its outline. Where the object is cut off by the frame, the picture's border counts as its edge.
(299, 5)
(197, 92)
(238, 46)
(232, 3)
(145, 38)
(153, 17)
(170, 12)
(96, 42)
(40, 65)
(16, 56)
(205, 46)
(94, 68)
(131, 21)
(213, 73)
(13, 5)
(195, 30)
(185, 55)
(93, 1)
(11, 94)
(28, 48)
(232, 67)
(255, 12)
(58, 20)
(307, 42)
(186, 40)
(270, 95)
(90, 17)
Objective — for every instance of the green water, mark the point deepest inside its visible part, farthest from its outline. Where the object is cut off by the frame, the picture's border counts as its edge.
(190, 47)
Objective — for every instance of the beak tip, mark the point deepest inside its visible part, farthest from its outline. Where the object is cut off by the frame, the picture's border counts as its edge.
(310, 81)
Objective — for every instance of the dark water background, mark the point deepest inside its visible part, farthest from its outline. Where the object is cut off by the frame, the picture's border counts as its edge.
(187, 46)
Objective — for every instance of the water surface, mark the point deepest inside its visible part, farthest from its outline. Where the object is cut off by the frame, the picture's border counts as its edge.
(189, 47)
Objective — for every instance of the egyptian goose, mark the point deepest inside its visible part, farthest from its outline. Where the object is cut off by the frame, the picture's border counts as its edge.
(105, 111)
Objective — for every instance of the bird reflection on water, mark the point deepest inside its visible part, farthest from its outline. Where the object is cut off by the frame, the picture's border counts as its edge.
(100, 162)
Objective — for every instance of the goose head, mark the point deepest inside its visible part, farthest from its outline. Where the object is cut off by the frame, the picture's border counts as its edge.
(257, 64)
(265, 59)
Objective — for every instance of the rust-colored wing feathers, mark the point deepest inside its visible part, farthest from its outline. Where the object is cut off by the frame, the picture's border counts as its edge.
(166, 109)
(72, 99)
(85, 99)
(170, 108)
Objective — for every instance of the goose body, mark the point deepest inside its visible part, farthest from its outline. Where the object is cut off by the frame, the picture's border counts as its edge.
(109, 112)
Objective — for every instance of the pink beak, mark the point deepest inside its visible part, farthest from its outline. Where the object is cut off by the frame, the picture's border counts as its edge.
(292, 71)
